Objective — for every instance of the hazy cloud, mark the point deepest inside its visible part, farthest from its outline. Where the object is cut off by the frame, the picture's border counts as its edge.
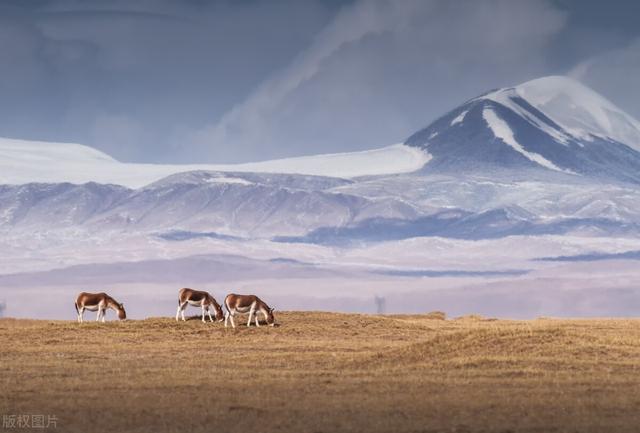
(615, 74)
(169, 66)
(382, 69)
(225, 81)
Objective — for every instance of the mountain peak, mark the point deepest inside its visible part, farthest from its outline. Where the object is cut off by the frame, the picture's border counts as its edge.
(551, 123)
(582, 112)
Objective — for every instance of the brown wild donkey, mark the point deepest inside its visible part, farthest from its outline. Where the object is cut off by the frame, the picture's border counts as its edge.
(99, 302)
(247, 304)
(201, 299)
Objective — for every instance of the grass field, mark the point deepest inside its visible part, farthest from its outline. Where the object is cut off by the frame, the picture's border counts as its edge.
(323, 372)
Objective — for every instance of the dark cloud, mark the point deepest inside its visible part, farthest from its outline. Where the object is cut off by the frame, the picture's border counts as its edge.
(92, 71)
(188, 81)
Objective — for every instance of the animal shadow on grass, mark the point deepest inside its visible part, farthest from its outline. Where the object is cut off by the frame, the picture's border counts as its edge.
(264, 323)
(243, 323)
(199, 317)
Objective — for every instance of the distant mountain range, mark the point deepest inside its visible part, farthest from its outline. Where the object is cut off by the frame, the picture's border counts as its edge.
(547, 156)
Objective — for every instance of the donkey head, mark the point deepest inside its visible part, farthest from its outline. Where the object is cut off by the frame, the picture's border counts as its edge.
(270, 319)
(216, 308)
(219, 313)
(122, 315)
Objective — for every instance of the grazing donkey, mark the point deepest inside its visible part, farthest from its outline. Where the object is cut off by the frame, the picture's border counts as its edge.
(200, 299)
(99, 302)
(247, 304)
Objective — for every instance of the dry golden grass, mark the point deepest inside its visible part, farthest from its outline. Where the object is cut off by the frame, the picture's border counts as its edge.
(322, 372)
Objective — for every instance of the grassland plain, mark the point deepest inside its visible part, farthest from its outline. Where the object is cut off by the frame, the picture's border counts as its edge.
(325, 372)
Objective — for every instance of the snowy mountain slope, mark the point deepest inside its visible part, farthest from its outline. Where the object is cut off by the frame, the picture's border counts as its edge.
(327, 210)
(483, 207)
(251, 205)
(544, 197)
(26, 161)
(551, 123)
(48, 206)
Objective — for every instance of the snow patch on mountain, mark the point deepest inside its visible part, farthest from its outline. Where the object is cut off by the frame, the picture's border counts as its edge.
(24, 162)
(459, 118)
(394, 159)
(228, 180)
(502, 131)
(25, 153)
(505, 97)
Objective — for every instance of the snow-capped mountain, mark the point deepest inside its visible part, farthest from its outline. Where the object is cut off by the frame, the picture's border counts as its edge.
(552, 123)
(549, 156)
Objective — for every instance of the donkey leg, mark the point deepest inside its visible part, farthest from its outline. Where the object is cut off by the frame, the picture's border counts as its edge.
(233, 323)
(203, 310)
(209, 312)
(178, 312)
(184, 307)
(251, 313)
(257, 320)
(226, 318)
(81, 314)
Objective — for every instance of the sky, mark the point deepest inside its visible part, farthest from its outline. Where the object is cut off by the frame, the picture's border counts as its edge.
(199, 81)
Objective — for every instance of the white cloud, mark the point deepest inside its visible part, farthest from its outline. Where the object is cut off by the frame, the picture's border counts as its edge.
(615, 74)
